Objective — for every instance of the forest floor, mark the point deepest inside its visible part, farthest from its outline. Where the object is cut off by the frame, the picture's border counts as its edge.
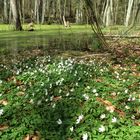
(48, 93)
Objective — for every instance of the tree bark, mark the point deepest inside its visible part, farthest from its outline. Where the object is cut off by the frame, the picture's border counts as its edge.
(129, 9)
(16, 16)
(108, 13)
(43, 10)
(36, 11)
(5, 11)
(23, 11)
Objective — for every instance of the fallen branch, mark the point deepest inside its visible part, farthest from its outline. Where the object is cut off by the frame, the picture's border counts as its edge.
(94, 55)
(109, 106)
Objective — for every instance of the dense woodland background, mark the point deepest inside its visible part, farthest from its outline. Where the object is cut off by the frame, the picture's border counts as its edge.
(76, 83)
(109, 12)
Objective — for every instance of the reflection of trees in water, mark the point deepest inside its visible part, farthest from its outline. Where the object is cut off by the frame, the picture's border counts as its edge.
(17, 48)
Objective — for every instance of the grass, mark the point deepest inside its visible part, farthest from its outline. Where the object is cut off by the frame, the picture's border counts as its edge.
(117, 29)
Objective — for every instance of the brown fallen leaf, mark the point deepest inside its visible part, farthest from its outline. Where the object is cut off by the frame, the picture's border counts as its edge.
(57, 98)
(137, 123)
(18, 83)
(99, 80)
(35, 136)
(3, 102)
(116, 66)
(3, 127)
(15, 81)
(27, 137)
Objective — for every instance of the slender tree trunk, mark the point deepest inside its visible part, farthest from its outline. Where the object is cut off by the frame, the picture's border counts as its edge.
(60, 10)
(129, 10)
(105, 12)
(5, 11)
(23, 11)
(135, 13)
(64, 13)
(10, 15)
(43, 10)
(48, 10)
(79, 14)
(36, 11)
(116, 11)
(16, 16)
(19, 5)
(108, 14)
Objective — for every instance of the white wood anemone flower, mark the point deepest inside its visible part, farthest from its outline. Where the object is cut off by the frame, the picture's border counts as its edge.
(59, 121)
(101, 129)
(85, 136)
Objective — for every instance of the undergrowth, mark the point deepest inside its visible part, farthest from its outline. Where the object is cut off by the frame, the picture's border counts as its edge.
(69, 99)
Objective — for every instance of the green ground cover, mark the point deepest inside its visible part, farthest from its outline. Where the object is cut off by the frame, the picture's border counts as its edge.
(69, 99)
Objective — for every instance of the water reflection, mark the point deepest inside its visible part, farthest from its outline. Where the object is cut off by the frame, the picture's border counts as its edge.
(16, 48)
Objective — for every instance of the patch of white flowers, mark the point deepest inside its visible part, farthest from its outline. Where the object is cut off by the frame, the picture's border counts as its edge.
(1, 112)
(86, 97)
(133, 117)
(0, 81)
(85, 136)
(101, 129)
(114, 120)
(94, 90)
(127, 107)
(71, 129)
(59, 121)
(79, 119)
(126, 91)
(102, 116)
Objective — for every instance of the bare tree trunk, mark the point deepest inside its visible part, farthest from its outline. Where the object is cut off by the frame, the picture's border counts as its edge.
(135, 12)
(5, 11)
(43, 10)
(36, 11)
(64, 13)
(16, 16)
(79, 14)
(10, 15)
(64, 21)
(108, 14)
(60, 10)
(48, 10)
(116, 11)
(129, 9)
(23, 10)
(105, 13)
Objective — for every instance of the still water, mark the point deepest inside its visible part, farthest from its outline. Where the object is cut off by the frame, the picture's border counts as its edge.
(15, 47)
